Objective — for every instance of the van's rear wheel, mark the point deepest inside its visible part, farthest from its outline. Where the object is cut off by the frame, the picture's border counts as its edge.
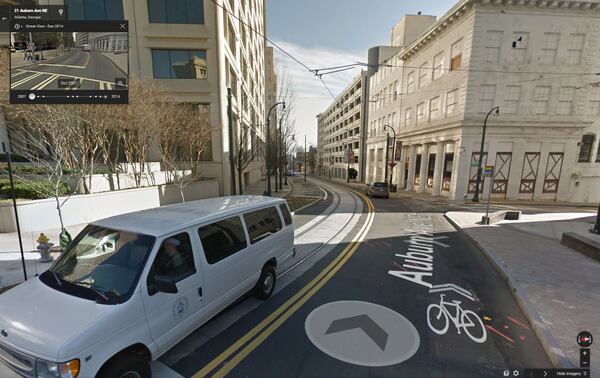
(266, 283)
(127, 366)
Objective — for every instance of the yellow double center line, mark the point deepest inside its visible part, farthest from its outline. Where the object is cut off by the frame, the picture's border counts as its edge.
(251, 340)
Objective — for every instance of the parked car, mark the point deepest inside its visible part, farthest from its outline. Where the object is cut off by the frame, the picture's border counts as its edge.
(378, 189)
(130, 287)
(290, 172)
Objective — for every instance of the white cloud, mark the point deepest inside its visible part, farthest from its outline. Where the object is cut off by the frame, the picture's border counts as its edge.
(312, 96)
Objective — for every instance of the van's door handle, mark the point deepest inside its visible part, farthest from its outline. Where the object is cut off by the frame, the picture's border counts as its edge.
(200, 291)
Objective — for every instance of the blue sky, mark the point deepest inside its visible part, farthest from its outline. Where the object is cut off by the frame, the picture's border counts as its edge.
(324, 33)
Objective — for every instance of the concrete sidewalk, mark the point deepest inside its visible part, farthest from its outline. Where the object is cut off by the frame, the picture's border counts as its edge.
(558, 288)
(403, 194)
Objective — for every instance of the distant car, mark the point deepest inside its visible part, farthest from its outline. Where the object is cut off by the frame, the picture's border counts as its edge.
(87, 47)
(290, 172)
(12, 49)
(378, 189)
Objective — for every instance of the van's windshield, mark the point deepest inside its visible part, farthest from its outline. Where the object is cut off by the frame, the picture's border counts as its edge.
(101, 264)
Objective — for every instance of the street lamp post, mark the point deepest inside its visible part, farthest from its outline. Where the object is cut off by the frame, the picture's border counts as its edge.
(478, 182)
(305, 159)
(268, 191)
(393, 152)
(597, 225)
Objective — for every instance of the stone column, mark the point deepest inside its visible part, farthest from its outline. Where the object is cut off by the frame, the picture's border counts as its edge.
(516, 169)
(401, 172)
(460, 169)
(412, 162)
(438, 173)
(424, 168)
(375, 164)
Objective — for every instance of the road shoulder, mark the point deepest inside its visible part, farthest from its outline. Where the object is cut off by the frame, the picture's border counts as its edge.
(556, 287)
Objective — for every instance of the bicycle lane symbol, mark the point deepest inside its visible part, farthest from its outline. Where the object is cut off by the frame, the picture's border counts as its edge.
(440, 315)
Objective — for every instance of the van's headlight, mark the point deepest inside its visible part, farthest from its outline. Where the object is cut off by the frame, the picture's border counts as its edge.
(53, 370)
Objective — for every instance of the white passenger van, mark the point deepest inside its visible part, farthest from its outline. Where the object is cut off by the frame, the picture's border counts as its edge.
(130, 287)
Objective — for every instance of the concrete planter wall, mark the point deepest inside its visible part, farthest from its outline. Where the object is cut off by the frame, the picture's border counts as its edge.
(41, 215)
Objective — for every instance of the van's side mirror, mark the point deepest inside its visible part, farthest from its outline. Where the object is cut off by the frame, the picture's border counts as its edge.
(165, 284)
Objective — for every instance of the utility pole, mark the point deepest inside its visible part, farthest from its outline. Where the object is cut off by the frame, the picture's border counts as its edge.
(231, 157)
(305, 160)
(596, 226)
(276, 158)
(281, 155)
(393, 163)
(478, 182)
(268, 165)
(387, 153)
(14, 200)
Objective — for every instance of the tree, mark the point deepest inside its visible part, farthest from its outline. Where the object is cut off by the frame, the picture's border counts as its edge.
(286, 91)
(244, 153)
(44, 137)
(184, 138)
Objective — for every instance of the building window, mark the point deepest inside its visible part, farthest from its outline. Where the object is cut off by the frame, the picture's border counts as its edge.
(451, 98)
(585, 148)
(486, 98)
(408, 117)
(511, 99)
(434, 108)
(565, 101)
(395, 89)
(176, 11)
(595, 108)
(456, 55)
(550, 48)
(493, 45)
(420, 112)
(575, 49)
(520, 43)
(410, 82)
(179, 64)
(423, 74)
(95, 9)
(438, 65)
(541, 97)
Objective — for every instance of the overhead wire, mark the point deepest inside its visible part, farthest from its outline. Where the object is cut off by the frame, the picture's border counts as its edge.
(298, 61)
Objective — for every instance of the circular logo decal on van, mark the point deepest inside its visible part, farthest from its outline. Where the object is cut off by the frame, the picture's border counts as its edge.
(180, 307)
(4, 333)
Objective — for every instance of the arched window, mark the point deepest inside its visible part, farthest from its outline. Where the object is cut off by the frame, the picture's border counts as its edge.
(585, 148)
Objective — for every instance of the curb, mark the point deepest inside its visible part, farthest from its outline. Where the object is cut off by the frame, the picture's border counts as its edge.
(307, 205)
(556, 355)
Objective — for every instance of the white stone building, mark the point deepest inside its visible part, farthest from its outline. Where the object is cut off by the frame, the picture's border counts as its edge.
(536, 60)
(340, 132)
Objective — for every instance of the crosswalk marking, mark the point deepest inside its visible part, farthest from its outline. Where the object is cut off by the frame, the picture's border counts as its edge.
(45, 83)
(28, 78)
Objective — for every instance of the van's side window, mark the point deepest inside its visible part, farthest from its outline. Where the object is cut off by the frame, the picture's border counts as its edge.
(287, 217)
(262, 223)
(222, 239)
(175, 259)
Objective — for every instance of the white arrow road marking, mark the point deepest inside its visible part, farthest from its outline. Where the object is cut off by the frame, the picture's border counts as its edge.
(452, 287)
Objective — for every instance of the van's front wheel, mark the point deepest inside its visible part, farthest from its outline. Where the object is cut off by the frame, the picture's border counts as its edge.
(130, 366)
(266, 283)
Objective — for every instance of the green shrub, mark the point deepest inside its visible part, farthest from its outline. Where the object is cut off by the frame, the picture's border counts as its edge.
(28, 169)
(31, 189)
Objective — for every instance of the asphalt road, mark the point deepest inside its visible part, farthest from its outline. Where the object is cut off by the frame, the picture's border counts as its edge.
(281, 337)
(93, 70)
